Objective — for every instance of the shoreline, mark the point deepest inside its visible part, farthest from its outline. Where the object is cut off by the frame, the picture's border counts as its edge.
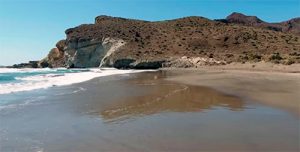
(269, 84)
(117, 113)
(276, 87)
(20, 80)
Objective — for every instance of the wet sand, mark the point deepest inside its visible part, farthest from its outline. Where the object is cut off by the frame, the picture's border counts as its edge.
(278, 88)
(143, 112)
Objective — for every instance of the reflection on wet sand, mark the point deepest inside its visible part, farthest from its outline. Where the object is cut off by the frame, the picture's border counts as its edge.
(143, 112)
(163, 96)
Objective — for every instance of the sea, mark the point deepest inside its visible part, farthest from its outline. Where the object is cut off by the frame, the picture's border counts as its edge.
(16, 81)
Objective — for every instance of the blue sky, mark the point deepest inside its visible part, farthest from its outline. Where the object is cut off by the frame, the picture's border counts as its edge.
(30, 28)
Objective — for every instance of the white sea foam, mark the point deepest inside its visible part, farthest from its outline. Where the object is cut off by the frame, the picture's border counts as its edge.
(49, 80)
(23, 70)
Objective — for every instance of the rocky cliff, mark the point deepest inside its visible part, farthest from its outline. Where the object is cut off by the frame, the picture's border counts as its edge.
(185, 42)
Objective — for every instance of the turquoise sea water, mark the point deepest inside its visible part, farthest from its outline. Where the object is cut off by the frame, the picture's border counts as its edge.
(16, 75)
(19, 80)
(17, 84)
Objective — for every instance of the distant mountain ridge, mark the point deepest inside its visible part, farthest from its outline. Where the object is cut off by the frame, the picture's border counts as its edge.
(290, 26)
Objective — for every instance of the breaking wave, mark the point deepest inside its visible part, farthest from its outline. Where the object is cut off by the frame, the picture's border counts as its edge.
(17, 80)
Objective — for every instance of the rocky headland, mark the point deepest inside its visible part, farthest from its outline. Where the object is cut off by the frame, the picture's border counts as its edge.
(184, 42)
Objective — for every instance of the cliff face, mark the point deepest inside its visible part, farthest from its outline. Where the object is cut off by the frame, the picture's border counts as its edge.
(127, 43)
(90, 53)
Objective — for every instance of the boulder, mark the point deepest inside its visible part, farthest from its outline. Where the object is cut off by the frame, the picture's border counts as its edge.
(60, 45)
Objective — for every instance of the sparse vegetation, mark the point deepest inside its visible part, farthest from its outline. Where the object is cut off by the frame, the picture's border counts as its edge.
(192, 36)
(275, 56)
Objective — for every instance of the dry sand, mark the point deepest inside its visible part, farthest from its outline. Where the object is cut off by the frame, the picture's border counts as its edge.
(273, 85)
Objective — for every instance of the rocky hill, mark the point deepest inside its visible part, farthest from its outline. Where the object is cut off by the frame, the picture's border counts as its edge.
(291, 26)
(184, 42)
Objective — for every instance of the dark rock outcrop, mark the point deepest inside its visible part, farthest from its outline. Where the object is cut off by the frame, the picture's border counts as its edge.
(133, 64)
(147, 65)
(123, 63)
(30, 64)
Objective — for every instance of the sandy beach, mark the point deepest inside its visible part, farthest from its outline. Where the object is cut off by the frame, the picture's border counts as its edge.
(148, 112)
(150, 76)
(273, 85)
